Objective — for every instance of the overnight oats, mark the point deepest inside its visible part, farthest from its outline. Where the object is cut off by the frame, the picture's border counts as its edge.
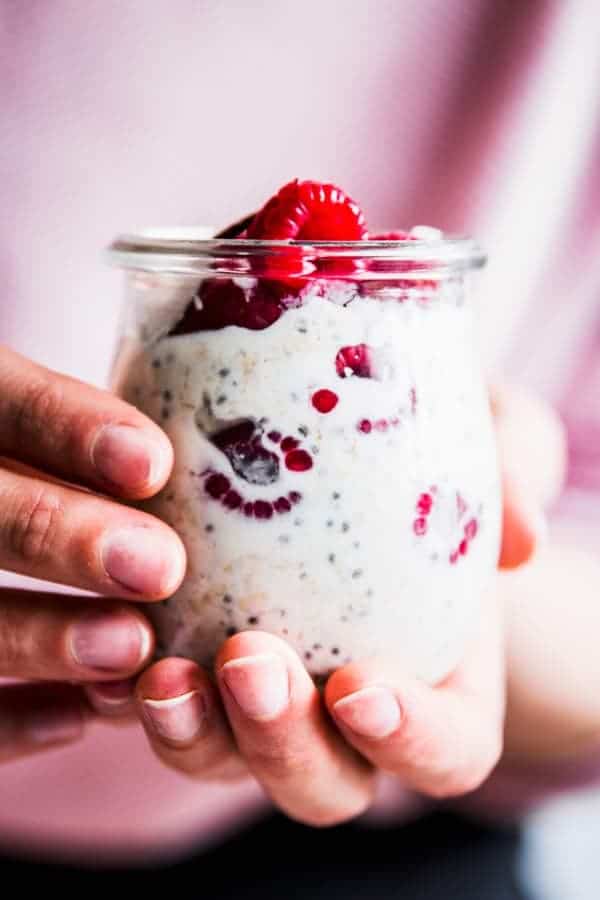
(335, 478)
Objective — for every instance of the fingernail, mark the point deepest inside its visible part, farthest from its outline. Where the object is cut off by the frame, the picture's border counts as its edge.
(109, 642)
(127, 456)
(48, 726)
(259, 684)
(372, 712)
(178, 719)
(143, 560)
(110, 696)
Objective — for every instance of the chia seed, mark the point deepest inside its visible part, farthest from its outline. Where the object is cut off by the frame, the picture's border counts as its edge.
(227, 598)
(329, 523)
(331, 557)
(357, 573)
(252, 620)
(335, 651)
(335, 495)
(303, 430)
(224, 373)
(231, 631)
(156, 363)
(209, 527)
(221, 399)
(167, 396)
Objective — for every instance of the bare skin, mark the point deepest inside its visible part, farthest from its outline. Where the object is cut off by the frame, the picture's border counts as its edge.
(70, 451)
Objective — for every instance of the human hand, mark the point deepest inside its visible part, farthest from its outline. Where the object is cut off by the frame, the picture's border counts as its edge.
(63, 445)
(316, 756)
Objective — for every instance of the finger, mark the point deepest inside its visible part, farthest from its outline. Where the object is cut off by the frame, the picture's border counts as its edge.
(532, 443)
(524, 527)
(59, 534)
(55, 638)
(36, 718)
(72, 429)
(532, 448)
(112, 699)
(182, 714)
(283, 732)
(440, 741)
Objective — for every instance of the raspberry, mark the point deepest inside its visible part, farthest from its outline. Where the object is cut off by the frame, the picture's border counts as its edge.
(424, 504)
(353, 360)
(220, 303)
(309, 211)
(324, 400)
(298, 461)
(386, 266)
(249, 459)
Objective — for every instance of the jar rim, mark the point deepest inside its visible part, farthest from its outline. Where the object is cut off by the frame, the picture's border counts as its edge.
(184, 249)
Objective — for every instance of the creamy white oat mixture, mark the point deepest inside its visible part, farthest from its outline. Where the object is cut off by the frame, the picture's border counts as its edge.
(384, 545)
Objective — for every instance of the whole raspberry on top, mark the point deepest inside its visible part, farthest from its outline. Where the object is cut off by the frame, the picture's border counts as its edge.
(309, 211)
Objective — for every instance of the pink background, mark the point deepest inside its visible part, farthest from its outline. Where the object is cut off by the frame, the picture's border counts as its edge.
(480, 116)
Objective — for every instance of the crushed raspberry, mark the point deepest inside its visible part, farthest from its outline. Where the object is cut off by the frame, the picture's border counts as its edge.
(298, 461)
(471, 529)
(262, 509)
(295, 497)
(232, 500)
(274, 436)
(411, 268)
(324, 400)
(309, 211)
(221, 302)
(289, 443)
(282, 505)
(353, 360)
(217, 485)
(242, 446)
(424, 504)
(453, 557)
(463, 547)
(413, 400)
(461, 505)
(366, 426)
(420, 526)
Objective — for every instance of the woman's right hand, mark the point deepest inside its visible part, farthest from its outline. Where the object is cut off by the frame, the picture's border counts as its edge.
(65, 448)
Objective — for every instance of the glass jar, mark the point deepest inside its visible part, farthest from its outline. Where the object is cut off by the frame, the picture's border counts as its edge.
(335, 478)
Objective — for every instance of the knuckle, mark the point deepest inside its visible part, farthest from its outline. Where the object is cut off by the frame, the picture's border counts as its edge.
(34, 525)
(40, 408)
(20, 644)
(12, 650)
(280, 762)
